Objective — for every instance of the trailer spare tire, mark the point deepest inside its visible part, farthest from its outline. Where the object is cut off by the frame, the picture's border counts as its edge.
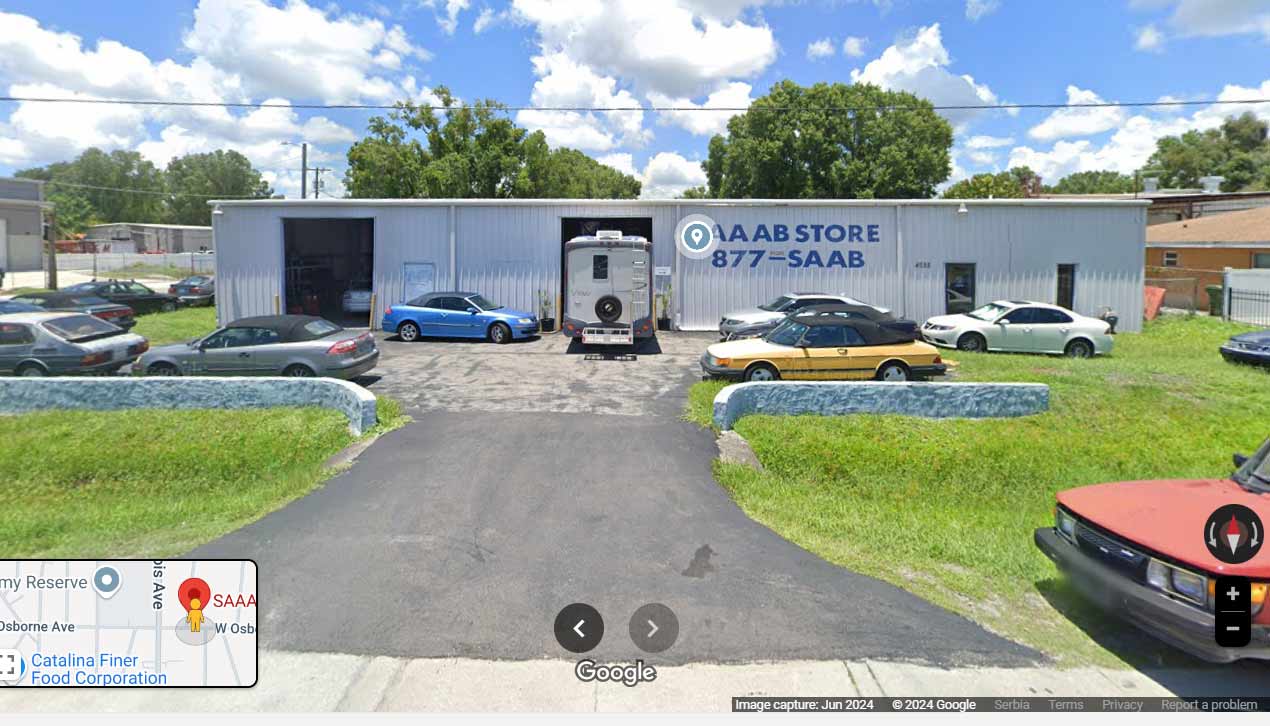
(608, 308)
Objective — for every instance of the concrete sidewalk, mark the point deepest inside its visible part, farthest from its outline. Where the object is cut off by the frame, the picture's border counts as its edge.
(305, 682)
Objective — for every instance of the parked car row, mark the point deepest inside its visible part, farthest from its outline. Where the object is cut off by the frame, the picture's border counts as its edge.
(115, 301)
(45, 343)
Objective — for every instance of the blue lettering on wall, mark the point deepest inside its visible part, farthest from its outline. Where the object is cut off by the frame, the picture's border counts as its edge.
(801, 234)
(761, 234)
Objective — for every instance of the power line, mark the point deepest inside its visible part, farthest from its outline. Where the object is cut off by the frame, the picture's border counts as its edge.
(676, 109)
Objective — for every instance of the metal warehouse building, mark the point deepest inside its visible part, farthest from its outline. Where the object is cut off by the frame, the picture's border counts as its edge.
(917, 257)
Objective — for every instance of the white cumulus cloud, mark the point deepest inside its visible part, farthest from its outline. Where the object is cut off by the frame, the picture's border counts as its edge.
(701, 122)
(820, 49)
(976, 9)
(919, 65)
(982, 141)
(564, 83)
(1214, 18)
(1083, 121)
(1148, 38)
(667, 175)
(853, 46)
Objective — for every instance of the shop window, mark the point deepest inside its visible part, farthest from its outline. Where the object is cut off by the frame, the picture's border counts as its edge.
(1261, 260)
(1170, 259)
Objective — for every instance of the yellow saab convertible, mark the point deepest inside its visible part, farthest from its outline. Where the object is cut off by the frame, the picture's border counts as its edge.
(823, 348)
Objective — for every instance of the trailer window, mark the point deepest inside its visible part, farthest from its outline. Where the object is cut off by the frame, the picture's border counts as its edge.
(600, 267)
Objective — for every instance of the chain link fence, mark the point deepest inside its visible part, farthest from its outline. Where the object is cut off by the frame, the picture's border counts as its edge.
(126, 265)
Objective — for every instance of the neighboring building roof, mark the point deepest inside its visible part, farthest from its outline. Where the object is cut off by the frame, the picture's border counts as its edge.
(1163, 196)
(148, 225)
(1249, 226)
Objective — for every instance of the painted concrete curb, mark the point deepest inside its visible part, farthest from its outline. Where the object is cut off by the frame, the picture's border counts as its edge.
(23, 395)
(833, 398)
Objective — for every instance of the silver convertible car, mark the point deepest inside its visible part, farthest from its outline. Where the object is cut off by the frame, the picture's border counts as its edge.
(300, 346)
(63, 344)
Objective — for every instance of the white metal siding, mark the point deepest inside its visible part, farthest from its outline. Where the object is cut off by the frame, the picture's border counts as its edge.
(511, 251)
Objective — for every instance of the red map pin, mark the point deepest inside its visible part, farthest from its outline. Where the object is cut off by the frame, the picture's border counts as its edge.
(194, 588)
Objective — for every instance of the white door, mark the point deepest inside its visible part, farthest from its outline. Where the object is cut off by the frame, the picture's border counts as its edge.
(418, 278)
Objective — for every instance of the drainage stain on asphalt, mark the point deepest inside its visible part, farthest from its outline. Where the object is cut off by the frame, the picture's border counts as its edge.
(700, 564)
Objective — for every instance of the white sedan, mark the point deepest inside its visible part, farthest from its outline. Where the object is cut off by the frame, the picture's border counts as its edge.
(1023, 327)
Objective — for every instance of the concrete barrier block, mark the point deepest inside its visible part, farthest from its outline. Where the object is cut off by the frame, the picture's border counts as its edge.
(835, 398)
(23, 395)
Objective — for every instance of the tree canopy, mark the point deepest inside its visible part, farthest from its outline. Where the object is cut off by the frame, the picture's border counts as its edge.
(1093, 182)
(122, 186)
(1238, 151)
(471, 150)
(1017, 182)
(831, 141)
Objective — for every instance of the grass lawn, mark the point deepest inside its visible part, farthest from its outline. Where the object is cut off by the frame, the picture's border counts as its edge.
(946, 509)
(141, 269)
(153, 483)
(177, 326)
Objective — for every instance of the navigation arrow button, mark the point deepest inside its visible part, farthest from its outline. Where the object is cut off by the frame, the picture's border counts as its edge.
(654, 628)
(569, 630)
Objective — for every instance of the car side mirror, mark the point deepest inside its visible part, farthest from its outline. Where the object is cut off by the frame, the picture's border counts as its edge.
(473, 311)
(1003, 321)
(1239, 460)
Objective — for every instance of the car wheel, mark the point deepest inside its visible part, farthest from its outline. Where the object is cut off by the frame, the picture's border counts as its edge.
(298, 371)
(500, 333)
(408, 332)
(893, 372)
(762, 372)
(163, 369)
(168, 306)
(972, 343)
(1079, 349)
(31, 370)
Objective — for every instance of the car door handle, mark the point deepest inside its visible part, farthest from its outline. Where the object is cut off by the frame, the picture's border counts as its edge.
(1064, 331)
(843, 351)
(244, 355)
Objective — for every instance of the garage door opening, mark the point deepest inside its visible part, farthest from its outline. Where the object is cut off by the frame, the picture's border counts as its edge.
(571, 227)
(329, 267)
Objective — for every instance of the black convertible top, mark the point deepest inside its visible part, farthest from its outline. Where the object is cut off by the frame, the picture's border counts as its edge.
(872, 333)
(864, 311)
(290, 328)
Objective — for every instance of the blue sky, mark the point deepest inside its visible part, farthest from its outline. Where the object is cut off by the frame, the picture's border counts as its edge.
(620, 53)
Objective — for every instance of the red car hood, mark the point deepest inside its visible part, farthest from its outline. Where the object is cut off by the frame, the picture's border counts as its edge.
(1168, 516)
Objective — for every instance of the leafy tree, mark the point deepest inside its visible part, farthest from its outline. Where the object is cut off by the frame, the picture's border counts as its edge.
(195, 178)
(1028, 181)
(471, 151)
(983, 186)
(73, 212)
(695, 193)
(1093, 182)
(1238, 151)
(825, 141)
(95, 175)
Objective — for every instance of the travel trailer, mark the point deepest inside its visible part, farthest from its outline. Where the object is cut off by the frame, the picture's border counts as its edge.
(609, 289)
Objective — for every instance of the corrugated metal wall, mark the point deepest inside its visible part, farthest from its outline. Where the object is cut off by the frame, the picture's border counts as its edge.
(706, 291)
(1016, 251)
(511, 252)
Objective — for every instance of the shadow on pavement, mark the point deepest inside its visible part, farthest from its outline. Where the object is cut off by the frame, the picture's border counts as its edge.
(1174, 669)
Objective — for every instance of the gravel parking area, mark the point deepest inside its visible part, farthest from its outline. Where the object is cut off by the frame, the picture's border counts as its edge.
(548, 374)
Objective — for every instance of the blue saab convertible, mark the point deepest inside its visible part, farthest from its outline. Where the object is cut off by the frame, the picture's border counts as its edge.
(458, 315)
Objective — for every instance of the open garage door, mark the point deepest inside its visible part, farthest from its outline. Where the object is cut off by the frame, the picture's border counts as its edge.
(329, 267)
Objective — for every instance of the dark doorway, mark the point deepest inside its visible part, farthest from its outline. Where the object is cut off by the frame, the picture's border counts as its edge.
(329, 266)
(1066, 287)
(959, 287)
(571, 227)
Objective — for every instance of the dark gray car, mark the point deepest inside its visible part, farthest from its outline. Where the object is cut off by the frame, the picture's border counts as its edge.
(62, 344)
(270, 345)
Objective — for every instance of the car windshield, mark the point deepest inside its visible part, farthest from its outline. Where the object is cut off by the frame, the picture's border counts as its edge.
(787, 333)
(483, 303)
(1255, 473)
(988, 312)
(89, 300)
(777, 305)
(196, 280)
(80, 327)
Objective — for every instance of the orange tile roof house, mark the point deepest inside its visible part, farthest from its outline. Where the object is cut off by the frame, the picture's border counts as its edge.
(1184, 257)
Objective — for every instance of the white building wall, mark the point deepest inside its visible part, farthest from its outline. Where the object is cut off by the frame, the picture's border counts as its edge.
(510, 251)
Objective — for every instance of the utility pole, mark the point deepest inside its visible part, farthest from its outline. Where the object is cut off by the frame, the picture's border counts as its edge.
(317, 180)
(51, 240)
(304, 169)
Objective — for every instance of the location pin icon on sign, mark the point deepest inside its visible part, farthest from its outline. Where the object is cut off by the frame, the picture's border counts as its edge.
(191, 588)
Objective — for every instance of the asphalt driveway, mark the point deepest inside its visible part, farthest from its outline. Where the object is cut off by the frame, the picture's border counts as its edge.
(465, 533)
